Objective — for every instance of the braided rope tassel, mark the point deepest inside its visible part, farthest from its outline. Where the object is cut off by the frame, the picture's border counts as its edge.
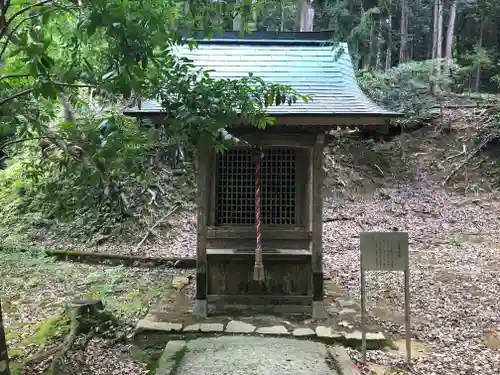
(258, 274)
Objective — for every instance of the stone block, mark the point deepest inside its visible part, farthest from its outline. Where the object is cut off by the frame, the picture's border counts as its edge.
(192, 328)
(212, 327)
(303, 332)
(235, 326)
(170, 357)
(150, 325)
(273, 330)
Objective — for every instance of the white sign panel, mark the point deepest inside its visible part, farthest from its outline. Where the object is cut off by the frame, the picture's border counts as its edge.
(384, 251)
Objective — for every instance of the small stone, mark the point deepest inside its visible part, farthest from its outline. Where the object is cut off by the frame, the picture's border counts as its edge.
(345, 324)
(273, 330)
(303, 332)
(212, 327)
(377, 336)
(149, 325)
(346, 303)
(358, 335)
(235, 326)
(192, 328)
(179, 282)
(347, 311)
(326, 332)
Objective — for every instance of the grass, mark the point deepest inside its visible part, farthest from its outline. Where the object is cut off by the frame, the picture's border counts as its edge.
(35, 288)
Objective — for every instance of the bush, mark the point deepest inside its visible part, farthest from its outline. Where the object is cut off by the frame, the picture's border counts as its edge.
(407, 88)
(84, 176)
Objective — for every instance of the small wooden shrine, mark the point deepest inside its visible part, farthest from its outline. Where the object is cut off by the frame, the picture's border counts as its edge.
(260, 203)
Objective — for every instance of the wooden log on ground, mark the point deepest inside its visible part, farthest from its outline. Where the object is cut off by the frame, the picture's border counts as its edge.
(119, 259)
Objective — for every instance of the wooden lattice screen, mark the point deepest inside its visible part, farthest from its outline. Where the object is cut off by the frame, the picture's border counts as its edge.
(235, 187)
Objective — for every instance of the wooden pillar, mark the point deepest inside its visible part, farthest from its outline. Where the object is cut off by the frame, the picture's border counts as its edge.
(202, 196)
(316, 226)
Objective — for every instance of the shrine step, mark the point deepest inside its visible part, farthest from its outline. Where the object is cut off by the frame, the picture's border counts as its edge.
(150, 329)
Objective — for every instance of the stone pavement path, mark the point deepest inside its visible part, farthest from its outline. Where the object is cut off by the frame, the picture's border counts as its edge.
(246, 355)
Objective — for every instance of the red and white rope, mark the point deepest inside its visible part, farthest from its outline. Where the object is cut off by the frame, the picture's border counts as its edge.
(258, 269)
(257, 202)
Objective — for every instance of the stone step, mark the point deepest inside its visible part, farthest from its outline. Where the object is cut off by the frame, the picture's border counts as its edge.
(276, 355)
(326, 334)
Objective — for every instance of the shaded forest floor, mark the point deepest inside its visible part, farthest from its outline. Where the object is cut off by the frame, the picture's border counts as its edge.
(454, 239)
(35, 290)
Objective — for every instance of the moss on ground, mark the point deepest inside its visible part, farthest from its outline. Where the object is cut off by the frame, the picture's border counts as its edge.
(42, 334)
(150, 357)
(48, 329)
(35, 289)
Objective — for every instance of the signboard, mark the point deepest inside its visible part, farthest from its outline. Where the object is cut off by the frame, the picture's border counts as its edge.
(385, 251)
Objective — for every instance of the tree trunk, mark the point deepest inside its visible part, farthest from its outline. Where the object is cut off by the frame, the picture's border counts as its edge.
(237, 21)
(306, 15)
(437, 43)
(440, 30)
(252, 25)
(379, 41)
(388, 51)
(4, 357)
(480, 44)
(403, 47)
(282, 15)
(435, 30)
(450, 34)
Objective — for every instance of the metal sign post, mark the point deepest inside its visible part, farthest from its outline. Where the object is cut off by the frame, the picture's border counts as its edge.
(385, 251)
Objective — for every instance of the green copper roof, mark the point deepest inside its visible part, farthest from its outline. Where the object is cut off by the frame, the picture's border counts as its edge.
(309, 66)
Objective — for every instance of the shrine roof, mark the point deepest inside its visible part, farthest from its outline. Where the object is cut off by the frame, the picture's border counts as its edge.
(306, 61)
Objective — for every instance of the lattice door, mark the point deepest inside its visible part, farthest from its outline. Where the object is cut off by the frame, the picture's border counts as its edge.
(236, 187)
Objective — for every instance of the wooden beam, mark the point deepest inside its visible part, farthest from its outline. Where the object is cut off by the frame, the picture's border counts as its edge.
(261, 138)
(316, 123)
(316, 223)
(202, 198)
(259, 299)
(266, 233)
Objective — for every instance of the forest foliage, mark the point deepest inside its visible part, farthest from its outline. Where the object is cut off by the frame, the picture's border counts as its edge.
(68, 68)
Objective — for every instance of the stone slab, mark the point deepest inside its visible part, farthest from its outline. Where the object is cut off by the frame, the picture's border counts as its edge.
(303, 332)
(251, 355)
(212, 327)
(345, 324)
(342, 361)
(150, 325)
(324, 332)
(358, 335)
(273, 330)
(192, 328)
(235, 326)
(170, 357)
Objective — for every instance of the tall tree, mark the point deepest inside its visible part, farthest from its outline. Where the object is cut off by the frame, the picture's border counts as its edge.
(480, 48)
(403, 46)
(437, 42)
(306, 15)
(450, 32)
(388, 50)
